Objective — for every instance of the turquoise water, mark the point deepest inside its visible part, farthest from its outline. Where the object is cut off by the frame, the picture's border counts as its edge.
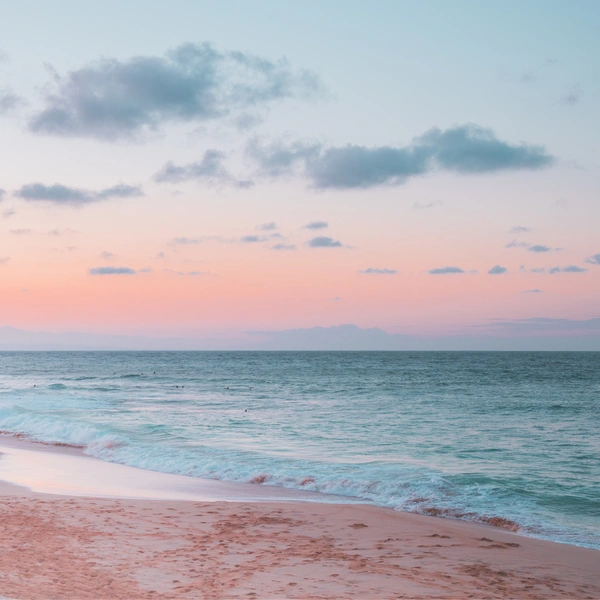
(466, 435)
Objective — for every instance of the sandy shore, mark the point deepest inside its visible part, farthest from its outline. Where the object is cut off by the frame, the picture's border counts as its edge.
(80, 548)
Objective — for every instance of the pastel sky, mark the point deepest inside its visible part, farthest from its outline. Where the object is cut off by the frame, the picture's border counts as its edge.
(208, 168)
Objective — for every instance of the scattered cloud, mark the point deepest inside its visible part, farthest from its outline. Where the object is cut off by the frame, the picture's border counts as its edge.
(59, 232)
(324, 242)
(421, 206)
(252, 239)
(283, 247)
(555, 270)
(267, 226)
(316, 225)
(4, 259)
(540, 248)
(374, 271)
(114, 99)
(9, 212)
(182, 241)
(20, 231)
(210, 170)
(61, 194)
(161, 256)
(593, 260)
(446, 271)
(465, 149)
(188, 273)
(497, 270)
(515, 244)
(337, 298)
(534, 291)
(146, 270)
(108, 256)
(2, 194)
(112, 271)
(532, 74)
(9, 101)
(572, 97)
(519, 229)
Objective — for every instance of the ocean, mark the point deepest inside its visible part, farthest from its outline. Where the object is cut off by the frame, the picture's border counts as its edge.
(508, 438)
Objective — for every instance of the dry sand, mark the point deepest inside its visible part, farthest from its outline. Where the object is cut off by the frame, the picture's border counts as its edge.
(84, 548)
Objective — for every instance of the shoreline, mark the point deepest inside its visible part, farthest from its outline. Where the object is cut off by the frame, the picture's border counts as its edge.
(73, 546)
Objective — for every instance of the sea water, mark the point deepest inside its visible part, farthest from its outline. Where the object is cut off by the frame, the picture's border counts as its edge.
(510, 438)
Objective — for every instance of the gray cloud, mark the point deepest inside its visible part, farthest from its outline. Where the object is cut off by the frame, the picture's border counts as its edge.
(108, 255)
(567, 269)
(572, 97)
(252, 239)
(515, 244)
(20, 231)
(283, 247)
(593, 260)
(421, 206)
(374, 271)
(114, 99)
(446, 271)
(111, 271)
(519, 229)
(9, 212)
(62, 194)
(2, 194)
(9, 101)
(532, 75)
(541, 248)
(466, 149)
(210, 170)
(535, 291)
(267, 226)
(4, 259)
(324, 242)
(316, 225)
(183, 241)
(188, 273)
(497, 270)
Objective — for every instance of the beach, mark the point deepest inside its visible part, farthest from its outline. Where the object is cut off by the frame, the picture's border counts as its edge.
(72, 546)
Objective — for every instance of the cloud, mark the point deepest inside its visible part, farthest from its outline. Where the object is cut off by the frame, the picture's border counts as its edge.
(465, 149)
(535, 291)
(4, 259)
(515, 244)
(555, 270)
(112, 271)
(9, 101)
(20, 231)
(572, 97)
(497, 270)
(2, 194)
(373, 271)
(112, 99)
(283, 247)
(420, 206)
(593, 260)
(146, 270)
(58, 232)
(61, 194)
(9, 212)
(316, 225)
(210, 170)
(188, 273)
(567, 269)
(267, 226)
(532, 75)
(324, 242)
(182, 241)
(519, 229)
(252, 239)
(445, 271)
(540, 248)
(108, 255)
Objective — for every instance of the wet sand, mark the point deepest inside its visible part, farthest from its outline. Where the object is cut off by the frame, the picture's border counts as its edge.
(75, 547)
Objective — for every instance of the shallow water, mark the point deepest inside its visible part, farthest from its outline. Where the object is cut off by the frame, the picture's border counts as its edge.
(479, 436)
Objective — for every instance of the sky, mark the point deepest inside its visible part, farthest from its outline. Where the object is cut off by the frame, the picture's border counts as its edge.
(200, 170)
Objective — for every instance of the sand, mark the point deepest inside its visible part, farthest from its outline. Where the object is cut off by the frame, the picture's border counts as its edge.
(95, 548)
